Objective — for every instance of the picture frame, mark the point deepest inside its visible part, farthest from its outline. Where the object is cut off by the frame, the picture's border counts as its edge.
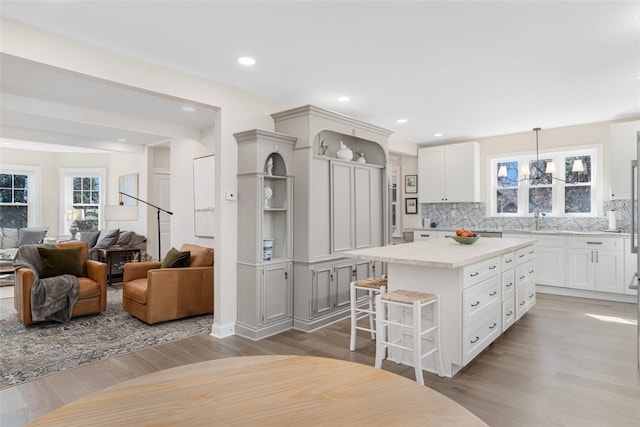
(411, 205)
(128, 184)
(411, 184)
(204, 195)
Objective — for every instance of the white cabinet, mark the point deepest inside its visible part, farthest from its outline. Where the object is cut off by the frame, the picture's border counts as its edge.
(595, 263)
(424, 235)
(265, 185)
(508, 282)
(550, 260)
(623, 149)
(525, 277)
(449, 173)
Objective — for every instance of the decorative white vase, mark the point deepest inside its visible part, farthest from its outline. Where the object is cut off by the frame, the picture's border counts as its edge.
(361, 159)
(344, 152)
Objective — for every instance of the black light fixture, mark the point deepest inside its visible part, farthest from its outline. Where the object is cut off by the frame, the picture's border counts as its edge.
(158, 209)
(540, 172)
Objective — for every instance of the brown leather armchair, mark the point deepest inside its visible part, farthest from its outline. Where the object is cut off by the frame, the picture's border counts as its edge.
(154, 294)
(93, 288)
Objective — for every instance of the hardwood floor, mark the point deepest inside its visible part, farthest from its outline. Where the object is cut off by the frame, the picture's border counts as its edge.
(568, 362)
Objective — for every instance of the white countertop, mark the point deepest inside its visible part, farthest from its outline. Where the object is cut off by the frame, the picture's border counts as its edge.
(440, 253)
(534, 232)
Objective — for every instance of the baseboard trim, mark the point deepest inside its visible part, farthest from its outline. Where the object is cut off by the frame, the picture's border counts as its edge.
(581, 293)
(223, 331)
(315, 324)
(256, 334)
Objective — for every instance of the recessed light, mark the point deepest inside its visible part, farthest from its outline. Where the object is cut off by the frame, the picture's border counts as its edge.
(188, 109)
(247, 61)
(438, 134)
(402, 121)
(122, 139)
(344, 99)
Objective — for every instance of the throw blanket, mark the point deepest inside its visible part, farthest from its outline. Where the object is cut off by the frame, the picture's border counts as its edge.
(52, 297)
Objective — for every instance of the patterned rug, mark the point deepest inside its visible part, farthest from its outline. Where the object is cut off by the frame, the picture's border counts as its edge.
(27, 353)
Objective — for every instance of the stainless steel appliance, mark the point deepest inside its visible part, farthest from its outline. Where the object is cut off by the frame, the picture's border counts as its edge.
(635, 233)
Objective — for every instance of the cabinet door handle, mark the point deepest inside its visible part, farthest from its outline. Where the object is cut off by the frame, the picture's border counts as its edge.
(591, 256)
(474, 274)
(523, 302)
(493, 326)
(594, 243)
(493, 293)
(509, 313)
(475, 340)
(492, 267)
(475, 304)
(597, 253)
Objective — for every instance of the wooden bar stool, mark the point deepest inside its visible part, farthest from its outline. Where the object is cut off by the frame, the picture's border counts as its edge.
(373, 286)
(407, 310)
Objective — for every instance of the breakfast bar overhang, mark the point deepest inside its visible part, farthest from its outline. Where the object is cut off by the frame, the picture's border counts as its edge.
(483, 288)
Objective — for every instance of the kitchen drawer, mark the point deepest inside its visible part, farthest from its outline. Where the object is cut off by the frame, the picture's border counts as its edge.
(508, 313)
(602, 243)
(479, 335)
(525, 272)
(525, 299)
(549, 241)
(481, 271)
(508, 284)
(424, 235)
(508, 260)
(525, 254)
(480, 299)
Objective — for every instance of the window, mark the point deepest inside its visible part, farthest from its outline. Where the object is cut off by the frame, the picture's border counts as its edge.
(559, 184)
(18, 184)
(82, 198)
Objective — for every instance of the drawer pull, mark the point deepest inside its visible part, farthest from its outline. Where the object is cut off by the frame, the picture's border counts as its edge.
(531, 296)
(475, 340)
(493, 326)
(475, 304)
(522, 277)
(530, 271)
(492, 267)
(523, 303)
(425, 235)
(532, 252)
(510, 284)
(493, 293)
(521, 256)
(510, 313)
(474, 274)
(594, 243)
(508, 261)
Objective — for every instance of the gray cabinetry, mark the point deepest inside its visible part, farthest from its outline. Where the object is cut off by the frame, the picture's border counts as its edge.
(265, 240)
(339, 205)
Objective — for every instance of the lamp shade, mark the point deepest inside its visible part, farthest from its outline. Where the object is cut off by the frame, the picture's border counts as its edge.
(120, 213)
(524, 170)
(577, 166)
(502, 171)
(551, 167)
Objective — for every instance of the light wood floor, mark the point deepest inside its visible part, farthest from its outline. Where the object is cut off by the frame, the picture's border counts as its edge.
(568, 362)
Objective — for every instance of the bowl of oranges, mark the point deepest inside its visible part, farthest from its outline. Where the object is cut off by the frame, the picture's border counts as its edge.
(465, 237)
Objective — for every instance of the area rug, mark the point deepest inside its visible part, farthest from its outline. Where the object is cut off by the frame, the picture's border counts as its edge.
(27, 353)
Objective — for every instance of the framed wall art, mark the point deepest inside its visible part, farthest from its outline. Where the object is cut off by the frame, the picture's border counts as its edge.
(411, 184)
(204, 195)
(411, 205)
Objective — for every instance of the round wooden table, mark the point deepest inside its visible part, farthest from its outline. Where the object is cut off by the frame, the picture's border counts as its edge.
(265, 390)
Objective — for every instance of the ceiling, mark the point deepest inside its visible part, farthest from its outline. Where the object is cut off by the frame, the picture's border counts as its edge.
(464, 69)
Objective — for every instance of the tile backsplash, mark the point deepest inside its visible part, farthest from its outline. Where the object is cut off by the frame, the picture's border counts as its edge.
(472, 216)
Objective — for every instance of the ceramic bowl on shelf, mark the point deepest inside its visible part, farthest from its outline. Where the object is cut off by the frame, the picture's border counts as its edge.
(465, 240)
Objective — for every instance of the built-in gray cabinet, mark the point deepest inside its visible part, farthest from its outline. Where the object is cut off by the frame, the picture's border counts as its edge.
(339, 205)
(265, 237)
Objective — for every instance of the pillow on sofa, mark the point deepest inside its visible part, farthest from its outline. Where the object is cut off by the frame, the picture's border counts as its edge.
(9, 238)
(175, 258)
(31, 235)
(107, 238)
(91, 237)
(58, 261)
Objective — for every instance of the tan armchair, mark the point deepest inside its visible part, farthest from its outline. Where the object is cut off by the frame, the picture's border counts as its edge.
(154, 294)
(93, 288)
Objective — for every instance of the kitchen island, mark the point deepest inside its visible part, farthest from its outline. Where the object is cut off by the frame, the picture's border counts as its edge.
(483, 288)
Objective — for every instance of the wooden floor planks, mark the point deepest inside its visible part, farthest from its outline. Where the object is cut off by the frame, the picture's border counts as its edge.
(558, 366)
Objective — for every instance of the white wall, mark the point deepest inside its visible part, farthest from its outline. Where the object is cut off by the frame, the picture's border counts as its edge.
(238, 111)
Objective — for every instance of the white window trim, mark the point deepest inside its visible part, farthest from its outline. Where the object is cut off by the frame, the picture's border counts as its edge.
(558, 194)
(34, 205)
(65, 193)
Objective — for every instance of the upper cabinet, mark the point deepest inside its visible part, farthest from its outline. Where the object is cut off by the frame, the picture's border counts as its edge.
(449, 173)
(624, 137)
